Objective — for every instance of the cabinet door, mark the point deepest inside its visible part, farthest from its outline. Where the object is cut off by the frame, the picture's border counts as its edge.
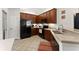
(27, 16)
(22, 16)
(35, 31)
(47, 17)
(38, 19)
(44, 15)
(52, 16)
(33, 18)
(47, 35)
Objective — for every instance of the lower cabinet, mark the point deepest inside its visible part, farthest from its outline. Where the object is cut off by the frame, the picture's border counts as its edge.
(35, 31)
(49, 37)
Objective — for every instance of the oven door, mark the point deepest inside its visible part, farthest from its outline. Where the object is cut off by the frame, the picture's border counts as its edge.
(40, 30)
(41, 33)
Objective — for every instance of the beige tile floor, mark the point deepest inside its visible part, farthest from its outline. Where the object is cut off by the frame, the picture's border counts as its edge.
(28, 44)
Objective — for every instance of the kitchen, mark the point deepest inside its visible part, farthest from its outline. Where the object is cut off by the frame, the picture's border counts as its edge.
(42, 29)
(50, 19)
(38, 24)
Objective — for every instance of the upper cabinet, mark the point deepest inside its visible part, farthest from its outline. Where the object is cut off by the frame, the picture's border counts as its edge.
(27, 16)
(52, 16)
(22, 16)
(38, 19)
(49, 16)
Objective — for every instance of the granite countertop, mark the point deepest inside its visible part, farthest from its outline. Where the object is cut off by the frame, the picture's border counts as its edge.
(66, 36)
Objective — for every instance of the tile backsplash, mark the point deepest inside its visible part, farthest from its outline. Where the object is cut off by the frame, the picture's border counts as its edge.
(53, 26)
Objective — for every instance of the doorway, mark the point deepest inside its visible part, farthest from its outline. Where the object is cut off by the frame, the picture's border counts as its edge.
(4, 23)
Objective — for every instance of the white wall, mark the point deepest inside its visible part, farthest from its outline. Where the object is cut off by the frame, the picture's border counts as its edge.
(1, 26)
(13, 23)
(5, 9)
(1, 31)
(68, 22)
(7, 43)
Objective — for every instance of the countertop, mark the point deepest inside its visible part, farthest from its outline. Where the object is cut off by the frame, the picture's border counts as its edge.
(66, 36)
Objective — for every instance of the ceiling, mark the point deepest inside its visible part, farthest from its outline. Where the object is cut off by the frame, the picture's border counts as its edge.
(35, 11)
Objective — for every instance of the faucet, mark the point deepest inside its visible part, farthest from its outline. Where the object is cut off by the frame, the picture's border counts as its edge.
(60, 28)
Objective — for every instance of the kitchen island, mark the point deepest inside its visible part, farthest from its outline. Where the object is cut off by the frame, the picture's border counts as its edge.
(67, 41)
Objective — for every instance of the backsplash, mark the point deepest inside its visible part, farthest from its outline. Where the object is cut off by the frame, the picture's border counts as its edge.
(50, 25)
(53, 26)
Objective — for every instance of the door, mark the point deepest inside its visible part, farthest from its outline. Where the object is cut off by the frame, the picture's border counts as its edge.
(4, 18)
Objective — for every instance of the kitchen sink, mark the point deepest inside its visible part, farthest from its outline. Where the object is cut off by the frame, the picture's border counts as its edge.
(57, 32)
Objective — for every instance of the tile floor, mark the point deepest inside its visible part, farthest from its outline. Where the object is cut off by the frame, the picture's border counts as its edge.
(28, 44)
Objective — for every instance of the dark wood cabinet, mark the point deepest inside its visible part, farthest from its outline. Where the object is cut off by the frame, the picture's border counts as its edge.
(35, 31)
(48, 16)
(27, 16)
(44, 15)
(49, 37)
(52, 16)
(34, 19)
(22, 16)
(38, 19)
